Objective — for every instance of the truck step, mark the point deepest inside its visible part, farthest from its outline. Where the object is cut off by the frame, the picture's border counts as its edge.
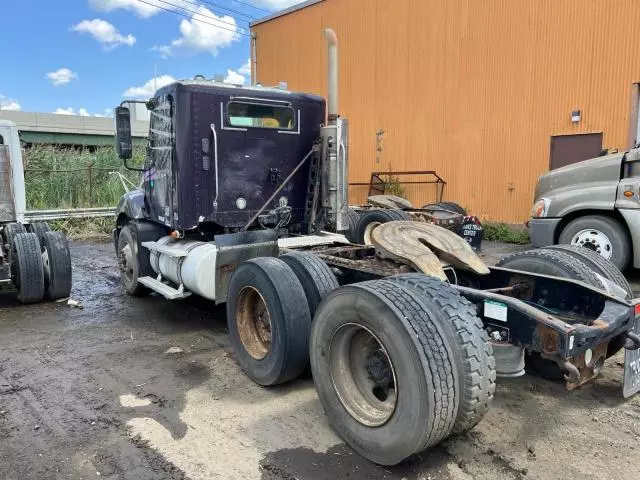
(167, 250)
(163, 289)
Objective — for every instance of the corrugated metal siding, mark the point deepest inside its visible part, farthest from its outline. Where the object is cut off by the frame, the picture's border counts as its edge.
(473, 90)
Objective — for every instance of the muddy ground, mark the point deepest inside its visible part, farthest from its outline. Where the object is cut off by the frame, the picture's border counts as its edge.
(94, 393)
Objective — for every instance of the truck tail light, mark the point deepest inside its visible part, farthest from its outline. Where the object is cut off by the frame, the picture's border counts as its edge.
(637, 309)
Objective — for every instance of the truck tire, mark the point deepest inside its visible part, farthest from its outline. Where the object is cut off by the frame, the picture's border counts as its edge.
(466, 331)
(316, 277)
(10, 230)
(450, 206)
(384, 369)
(597, 263)
(352, 220)
(373, 218)
(56, 261)
(268, 321)
(602, 234)
(39, 228)
(551, 262)
(559, 264)
(28, 272)
(129, 263)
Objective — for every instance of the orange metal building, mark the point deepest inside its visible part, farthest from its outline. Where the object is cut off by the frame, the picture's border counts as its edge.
(478, 91)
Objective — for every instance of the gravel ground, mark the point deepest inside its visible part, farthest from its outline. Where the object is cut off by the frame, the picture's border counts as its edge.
(97, 393)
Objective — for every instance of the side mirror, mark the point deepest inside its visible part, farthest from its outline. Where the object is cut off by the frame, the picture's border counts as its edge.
(124, 144)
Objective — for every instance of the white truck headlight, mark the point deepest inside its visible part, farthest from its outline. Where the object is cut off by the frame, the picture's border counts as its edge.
(540, 208)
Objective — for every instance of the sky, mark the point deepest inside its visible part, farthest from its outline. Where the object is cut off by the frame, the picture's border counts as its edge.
(86, 56)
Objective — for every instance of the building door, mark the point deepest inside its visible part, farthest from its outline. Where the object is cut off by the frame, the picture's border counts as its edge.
(568, 149)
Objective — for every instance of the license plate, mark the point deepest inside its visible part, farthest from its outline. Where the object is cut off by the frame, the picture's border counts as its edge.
(632, 368)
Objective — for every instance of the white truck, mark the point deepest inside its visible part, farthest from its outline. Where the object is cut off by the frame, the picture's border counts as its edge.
(34, 261)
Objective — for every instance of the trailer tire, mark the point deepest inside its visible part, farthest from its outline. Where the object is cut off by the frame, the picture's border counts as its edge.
(466, 330)
(28, 270)
(129, 263)
(316, 277)
(373, 218)
(559, 264)
(10, 232)
(384, 369)
(609, 235)
(268, 286)
(39, 228)
(56, 261)
(596, 262)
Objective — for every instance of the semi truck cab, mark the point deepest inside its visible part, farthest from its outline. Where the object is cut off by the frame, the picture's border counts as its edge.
(593, 204)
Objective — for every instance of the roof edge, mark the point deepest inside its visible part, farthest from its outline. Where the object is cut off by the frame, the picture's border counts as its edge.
(286, 11)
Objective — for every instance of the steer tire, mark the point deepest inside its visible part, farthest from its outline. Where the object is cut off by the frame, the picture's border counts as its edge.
(466, 331)
(39, 228)
(352, 221)
(28, 270)
(376, 216)
(316, 277)
(129, 263)
(384, 369)
(597, 263)
(620, 241)
(56, 260)
(10, 231)
(558, 264)
(277, 352)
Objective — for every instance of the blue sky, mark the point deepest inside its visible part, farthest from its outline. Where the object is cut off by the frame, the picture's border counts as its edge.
(86, 56)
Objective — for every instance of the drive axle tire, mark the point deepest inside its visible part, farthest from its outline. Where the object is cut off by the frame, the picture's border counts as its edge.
(268, 321)
(39, 228)
(384, 369)
(597, 263)
(602, 234)
(56, 260)
(448, 206)
(10, 231)
(28, 270)
(373, 218)
(316, 277)
(466, 331)
(129, 263)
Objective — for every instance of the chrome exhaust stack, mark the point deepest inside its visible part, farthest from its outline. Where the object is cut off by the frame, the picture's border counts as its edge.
(334, 136)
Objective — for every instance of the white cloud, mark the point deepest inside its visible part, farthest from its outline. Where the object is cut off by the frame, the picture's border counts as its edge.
(148, 89)
(239, 76)
(83, 112)
(273, 4)
(144, 9)
(8, 104)
(234, 77)
(62, 76)
(104, 32)
(245, 69)
(204, 32)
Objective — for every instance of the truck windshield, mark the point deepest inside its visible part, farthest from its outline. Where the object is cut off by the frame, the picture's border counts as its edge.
(255, 115)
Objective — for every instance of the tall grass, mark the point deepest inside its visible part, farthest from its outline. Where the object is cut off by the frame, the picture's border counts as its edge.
(67, 178)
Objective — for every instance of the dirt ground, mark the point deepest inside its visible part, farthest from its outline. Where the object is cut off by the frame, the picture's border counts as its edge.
(96, 393)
